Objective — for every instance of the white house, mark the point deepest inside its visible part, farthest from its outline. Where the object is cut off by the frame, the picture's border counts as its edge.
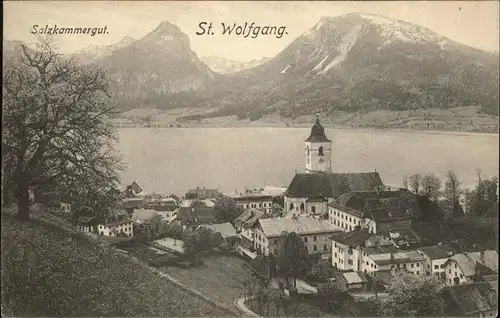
(435, 258)
(314, 232)
(463, 268)
(245, 227)
(116, 228)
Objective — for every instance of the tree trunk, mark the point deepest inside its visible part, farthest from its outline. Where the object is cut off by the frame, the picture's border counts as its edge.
(23, 200)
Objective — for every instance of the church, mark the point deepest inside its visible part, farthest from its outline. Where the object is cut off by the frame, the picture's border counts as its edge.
(310, 192)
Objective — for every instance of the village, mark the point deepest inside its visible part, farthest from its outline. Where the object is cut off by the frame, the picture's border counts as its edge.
(328, 243)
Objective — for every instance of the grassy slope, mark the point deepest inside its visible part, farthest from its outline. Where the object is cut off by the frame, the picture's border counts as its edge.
(47, 272)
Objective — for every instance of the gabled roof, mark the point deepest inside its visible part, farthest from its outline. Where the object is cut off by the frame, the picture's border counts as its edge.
(249, 218)
(354, 277)
(468, 261)
(275, 227)
(438, 251)
(378, 205)
(331, 185)
(470, 299)
(352, 239)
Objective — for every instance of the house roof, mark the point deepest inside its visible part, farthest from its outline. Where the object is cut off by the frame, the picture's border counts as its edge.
(354, 277)
(383, 249)
(109, 222)
(87, 220)
(200, 213)
(132, 203)
(225, 229)
(470, 299)
(403, 235)
(467, 261)
(317, 133)
(143, 214)
(438, 251)
(399, 257)
(331, 185)
(378, 205)
(249, 218)
(301, 225)
(353, 238)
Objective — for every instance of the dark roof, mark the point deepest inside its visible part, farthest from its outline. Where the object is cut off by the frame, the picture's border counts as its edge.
(317, 133)
(249, 218)
(403, 235)
(200, 213)
(439, 251)
(132, 203)
(353, 238)
(331, 185)
(470, 299)
(87, 220)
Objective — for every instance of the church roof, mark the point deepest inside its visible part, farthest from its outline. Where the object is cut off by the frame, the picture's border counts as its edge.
(331, 185)
(317, 133)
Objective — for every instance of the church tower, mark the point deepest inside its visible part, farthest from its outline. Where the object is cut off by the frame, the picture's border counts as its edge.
(318, 150)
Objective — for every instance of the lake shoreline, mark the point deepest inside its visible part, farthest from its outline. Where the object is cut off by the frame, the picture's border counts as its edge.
(308, 125)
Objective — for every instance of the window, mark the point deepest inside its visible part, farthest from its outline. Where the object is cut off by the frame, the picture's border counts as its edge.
(307, 150)
(350, 251)
(436, 266)
(324, 247)
(349, 262)
(418, 264)
(302, 207)
(291, 206)
(315, 248)
(335, 244)
(375, 266)
(449, 271)
(455, 265)
(320, 151)
(418, 272)
(350, 219)
(260, 205)
(313, 209)
(314, 238)
(335, 255)
(412, 265)
(305, 239)
(461, 276)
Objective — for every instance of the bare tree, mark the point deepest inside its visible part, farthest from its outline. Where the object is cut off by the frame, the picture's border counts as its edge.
(56, 125)
(430, 186)
(414, 183)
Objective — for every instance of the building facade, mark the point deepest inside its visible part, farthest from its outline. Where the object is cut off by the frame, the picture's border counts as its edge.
(253, 199)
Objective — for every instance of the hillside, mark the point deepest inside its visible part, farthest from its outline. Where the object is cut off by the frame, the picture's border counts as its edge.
(361, 62)
(224, 66)
(47, 272)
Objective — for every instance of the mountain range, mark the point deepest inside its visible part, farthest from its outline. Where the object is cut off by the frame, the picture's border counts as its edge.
(355, 62)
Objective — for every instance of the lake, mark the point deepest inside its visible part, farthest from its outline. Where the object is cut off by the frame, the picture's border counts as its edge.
(173, 160)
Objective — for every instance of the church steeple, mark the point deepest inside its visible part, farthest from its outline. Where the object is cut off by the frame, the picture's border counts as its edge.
(318, 149)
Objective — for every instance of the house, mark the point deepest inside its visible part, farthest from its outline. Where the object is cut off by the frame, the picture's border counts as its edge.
(253, 199)
(388, 213)
(87, 224)
(115, 227)
(362, 251)
(194, 216)
(465, 268)
(158, 201)
(352, 281)
(470, 300)
(436, 256)
(226, 230)
(245, 227)
(315, 233)
(202, 194)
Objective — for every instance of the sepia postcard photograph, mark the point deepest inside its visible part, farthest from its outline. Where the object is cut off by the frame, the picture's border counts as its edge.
(250, 159)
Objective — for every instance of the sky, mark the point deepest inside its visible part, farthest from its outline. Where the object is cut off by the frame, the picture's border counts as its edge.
(472, 23)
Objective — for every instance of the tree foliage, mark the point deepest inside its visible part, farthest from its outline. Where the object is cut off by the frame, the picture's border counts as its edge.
(56, 126)
(412, 295)
(430, 185)
(415, 183)
(483, 200)
(292, 259)
(226, 210)
(159, 228)
(201, 240)
(452, 193)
